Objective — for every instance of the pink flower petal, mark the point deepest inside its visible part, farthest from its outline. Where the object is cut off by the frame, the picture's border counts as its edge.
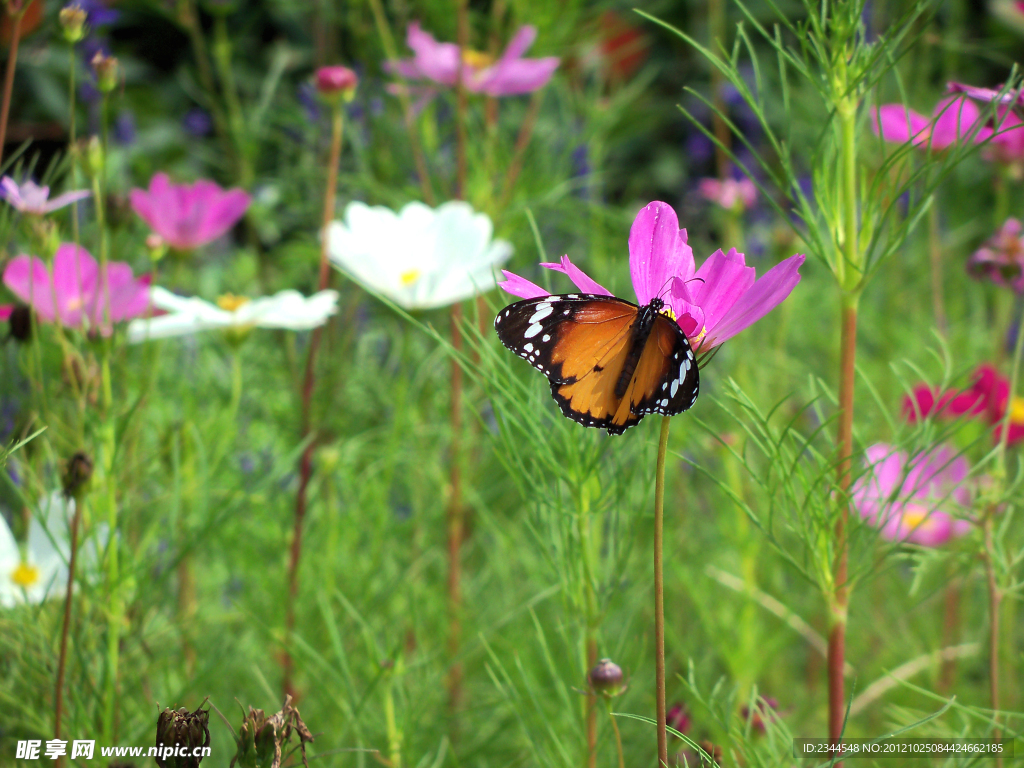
(66, 199)
(719, 284)
(578, 277)
(657, 253)
(899, 124)
(5, 311)
(75, 280)
(28, 279)
(520, 286)
(955, 119)
(1011, 97)
(520, 42)
(437, 61)
(512, 78)
(767, 293)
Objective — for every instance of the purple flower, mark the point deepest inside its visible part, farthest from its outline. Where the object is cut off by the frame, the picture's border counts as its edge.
(75, 290)
(711, 304)
(31, 198)
(1010, 98)
(510, 75)
(197, 122)
(1001, 258)
(902, 496)
(954, 118)
(97, 13)
(188, 216)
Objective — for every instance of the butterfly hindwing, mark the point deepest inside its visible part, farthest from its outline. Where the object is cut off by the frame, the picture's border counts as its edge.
(602, 373)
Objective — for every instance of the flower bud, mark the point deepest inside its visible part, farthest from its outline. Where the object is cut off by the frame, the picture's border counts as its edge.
(678, 718)
(337, 81)
(606, 678)
(72, 20)
(77, 472)
(178, 733)
(156, 246)
(92, 156)
(106, 69)
(20, 322)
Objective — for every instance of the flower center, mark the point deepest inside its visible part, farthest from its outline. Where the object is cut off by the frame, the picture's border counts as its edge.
(476, 60)
(667, 311)
(1017, 410)
(410, 277)
(697, 340)
(25, 575)
(231, 303)
(915, 516)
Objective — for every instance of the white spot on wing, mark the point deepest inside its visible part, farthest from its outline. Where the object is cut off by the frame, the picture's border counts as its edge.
(675, 388)
(532, 331)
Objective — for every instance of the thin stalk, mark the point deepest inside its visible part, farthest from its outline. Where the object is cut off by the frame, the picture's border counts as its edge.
(590, 613)
(723, 136)
(950, 635)
(58, 693)
(618, 738)
(403, 98)
(659, 593)
(994, 600)
(522, 142)
(236, 119)
(308, 386)
(12, 61)
(935, 260)
(391, 725)
(456, 518)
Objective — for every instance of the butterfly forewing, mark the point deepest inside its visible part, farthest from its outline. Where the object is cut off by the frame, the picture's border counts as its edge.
(582, 343)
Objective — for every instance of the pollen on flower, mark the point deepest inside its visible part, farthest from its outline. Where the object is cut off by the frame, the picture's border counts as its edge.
(668, 312)
(410, 277)
(231, 303)
(915, 516)
(25, 575)
(697, 340)
(1017, 410)
(476, 59)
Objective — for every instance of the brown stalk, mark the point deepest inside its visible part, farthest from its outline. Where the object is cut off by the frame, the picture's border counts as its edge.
(58, 694)
(18, 13)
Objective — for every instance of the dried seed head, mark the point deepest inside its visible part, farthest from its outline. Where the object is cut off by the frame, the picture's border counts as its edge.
(178, 733)
(77, 472)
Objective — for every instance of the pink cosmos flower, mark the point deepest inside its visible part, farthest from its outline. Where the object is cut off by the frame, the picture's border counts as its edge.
(510, 75)
(1007, 145)
(1010, 98)
(1001, 258)
(730, 192)
(908, 498)
(953, 119)
(188, 216)
(335, 79)
(31, 198)
(711, 304)
(76, 285)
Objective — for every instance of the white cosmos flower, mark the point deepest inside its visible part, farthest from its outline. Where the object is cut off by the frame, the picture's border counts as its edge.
(420, 257)
(42, 572)
(185, 315)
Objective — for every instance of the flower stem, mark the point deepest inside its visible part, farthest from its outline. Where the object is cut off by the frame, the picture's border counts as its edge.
(12, 61)
(403, 97)
(391, 725)
(994, 600)
(236, 119)
(935, 258)
(522, 142)
(58, 694)
(461, 100)
(590, 613)
(950, 634)
(308, 386)
(659, 593)
(618, 738)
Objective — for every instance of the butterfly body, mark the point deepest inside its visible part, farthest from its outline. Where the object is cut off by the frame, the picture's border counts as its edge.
(609, 362)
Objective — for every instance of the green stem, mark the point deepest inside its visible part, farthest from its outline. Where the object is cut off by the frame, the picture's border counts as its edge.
(935, 259)
(590, 612)
(390, 723)
(236, 118)
(659, 593)
(618, 737)
(994, 600)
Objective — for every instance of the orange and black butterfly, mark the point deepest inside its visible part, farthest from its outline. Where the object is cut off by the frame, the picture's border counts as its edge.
(609, 362)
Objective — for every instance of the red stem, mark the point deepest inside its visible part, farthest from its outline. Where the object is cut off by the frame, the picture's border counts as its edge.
(308, 387)
(12, 60)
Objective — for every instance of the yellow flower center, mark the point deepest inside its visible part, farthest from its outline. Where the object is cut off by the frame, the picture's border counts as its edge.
(916, 516)
(25, 575)
(1017, 410)
(667, 312)
(697, 340)
(231, 303)
(410, 277)
(476, 59)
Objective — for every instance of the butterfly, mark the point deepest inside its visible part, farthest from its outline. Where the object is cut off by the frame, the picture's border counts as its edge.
(609, 362)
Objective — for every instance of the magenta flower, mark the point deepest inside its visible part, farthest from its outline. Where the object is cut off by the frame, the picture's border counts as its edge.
(730, 192)
(81, 294)
(909, 499)
(1001, 258)
(335, 79)
(31, 198)
(954, 118)
(188, 216)
(711, 304)
(1007, 145)
(508, 76)
(1010, 98)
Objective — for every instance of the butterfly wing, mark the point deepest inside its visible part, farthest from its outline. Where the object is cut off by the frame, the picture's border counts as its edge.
(580, 342)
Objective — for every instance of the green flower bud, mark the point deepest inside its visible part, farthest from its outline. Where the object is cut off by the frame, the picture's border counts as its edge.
(72, 20)
(106, 69)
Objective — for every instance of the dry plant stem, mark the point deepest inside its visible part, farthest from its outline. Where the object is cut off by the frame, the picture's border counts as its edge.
(522, 142)
(403, 97)
(12, 61)
(659, 593)
(456, 527)
(308, 386)
(994, 599)
(618, 739)
(58, 693)
(840, 598)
